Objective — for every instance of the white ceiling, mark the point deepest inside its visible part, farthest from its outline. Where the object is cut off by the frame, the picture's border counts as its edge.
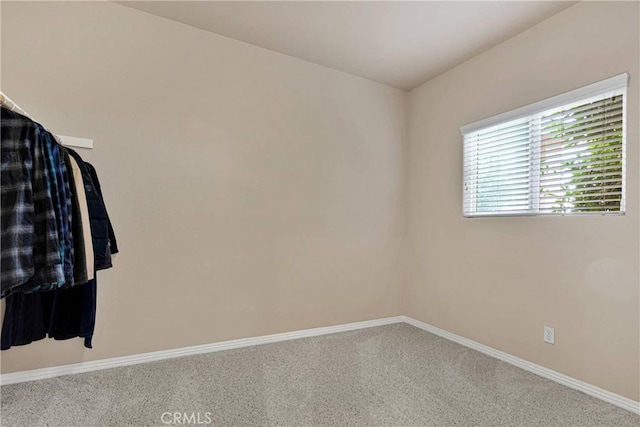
(401, 44)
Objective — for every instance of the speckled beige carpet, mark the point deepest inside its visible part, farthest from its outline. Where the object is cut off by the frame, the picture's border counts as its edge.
(394, 375)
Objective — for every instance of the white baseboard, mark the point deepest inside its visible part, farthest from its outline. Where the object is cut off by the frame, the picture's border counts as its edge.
(96, 365)
(591, 390)
(76, 368)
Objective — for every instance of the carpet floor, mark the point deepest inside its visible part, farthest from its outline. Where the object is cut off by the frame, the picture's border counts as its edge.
(395, 375)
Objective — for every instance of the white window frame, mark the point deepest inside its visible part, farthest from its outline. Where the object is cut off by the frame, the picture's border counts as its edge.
(612, 86)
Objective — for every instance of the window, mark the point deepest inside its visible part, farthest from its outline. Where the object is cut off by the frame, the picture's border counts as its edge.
(561, 156)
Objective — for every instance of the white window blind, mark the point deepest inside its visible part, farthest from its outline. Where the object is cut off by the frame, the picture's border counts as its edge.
(561, 156)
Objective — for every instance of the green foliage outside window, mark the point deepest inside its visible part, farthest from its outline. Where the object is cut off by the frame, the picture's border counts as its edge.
(592, 170)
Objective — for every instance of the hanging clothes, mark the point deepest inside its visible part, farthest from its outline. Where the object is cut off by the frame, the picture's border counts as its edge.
(59, 191)
(56, 226)
(29, 236)
(83, 271)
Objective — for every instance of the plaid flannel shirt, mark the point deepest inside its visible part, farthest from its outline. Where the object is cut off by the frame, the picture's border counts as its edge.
(29, 239)
(61, 199)
(69, 259)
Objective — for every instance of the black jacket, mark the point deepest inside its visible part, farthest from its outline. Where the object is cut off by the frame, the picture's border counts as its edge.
(104, 240)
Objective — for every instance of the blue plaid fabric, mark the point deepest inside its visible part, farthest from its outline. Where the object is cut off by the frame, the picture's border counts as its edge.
(69, 257)
(61, 199)
(56, 198)
(29, 239)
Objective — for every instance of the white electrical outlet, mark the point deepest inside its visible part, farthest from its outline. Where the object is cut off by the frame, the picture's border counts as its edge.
(549, 335)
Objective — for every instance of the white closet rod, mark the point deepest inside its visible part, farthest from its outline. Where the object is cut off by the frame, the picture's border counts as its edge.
(69, 141)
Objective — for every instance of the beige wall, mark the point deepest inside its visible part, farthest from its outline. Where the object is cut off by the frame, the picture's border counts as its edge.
(251, 192)
(499, 280)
